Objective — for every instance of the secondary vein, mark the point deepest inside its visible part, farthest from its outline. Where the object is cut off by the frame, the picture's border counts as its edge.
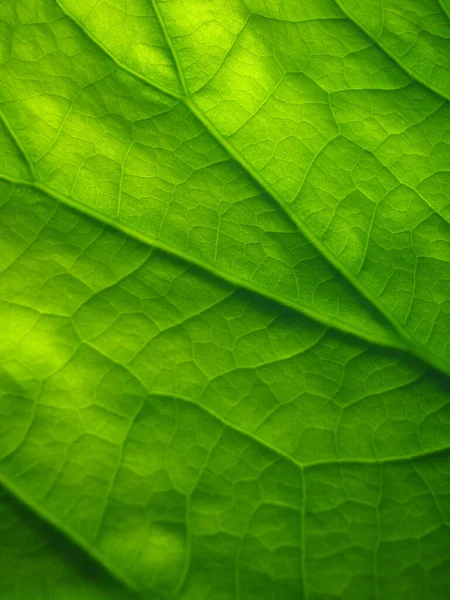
(332, 323)
(93, 552)
(19, 146)
(396, 59)
(171, 46)
(405, 340)
(408, 341)
(115, 60)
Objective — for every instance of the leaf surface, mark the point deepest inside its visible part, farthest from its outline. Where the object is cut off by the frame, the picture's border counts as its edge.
(225, 299)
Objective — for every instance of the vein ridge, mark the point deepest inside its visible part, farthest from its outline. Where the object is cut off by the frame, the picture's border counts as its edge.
(396, 59)
(332, 323)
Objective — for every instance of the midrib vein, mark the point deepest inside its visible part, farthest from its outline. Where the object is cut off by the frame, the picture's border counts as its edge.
(408, 341)
(405, 340)
(236, 281)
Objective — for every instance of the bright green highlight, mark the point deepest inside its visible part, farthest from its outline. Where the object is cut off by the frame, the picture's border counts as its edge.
(225, 299)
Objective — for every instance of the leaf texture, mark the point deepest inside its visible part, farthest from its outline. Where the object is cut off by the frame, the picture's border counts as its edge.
(225, 299)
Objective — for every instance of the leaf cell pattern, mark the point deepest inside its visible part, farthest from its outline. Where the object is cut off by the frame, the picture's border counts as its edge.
(225, 299)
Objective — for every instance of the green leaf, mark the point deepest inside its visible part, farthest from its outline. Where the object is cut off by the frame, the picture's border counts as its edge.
(40, 564)
(225, 299)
